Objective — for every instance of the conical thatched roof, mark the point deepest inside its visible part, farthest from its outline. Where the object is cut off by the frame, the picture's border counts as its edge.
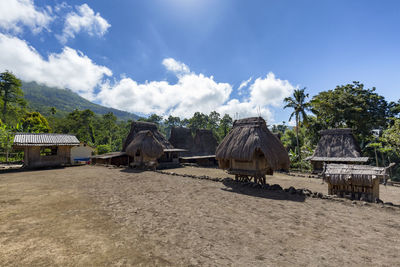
(182, 138)
(205, 143)
(337, 143)
(146, 143)
(138, 126)
(246, 137)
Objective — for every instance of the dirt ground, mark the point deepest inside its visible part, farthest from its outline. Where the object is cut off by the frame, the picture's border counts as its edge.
(99, 216)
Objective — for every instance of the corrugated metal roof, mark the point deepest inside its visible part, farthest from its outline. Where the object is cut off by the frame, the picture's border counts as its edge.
(338, 159)
(44, 139)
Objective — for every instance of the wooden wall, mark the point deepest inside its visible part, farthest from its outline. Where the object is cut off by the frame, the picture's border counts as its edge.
(356, 191)
(33, 159)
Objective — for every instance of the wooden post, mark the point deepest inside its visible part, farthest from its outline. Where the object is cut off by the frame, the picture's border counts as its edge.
(8, 140)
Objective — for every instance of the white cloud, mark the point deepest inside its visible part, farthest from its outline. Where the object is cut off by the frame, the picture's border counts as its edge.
(68, 69)
(175, 66)
(239, 110)
(85, 19)
(14, 14)
(270, 90)
(244, 83)
(193, 92)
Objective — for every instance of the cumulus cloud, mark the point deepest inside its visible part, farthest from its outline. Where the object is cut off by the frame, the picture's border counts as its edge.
(244, 83)
(68, 69)
(85, 19)
(270, 90)
(175, 66)
(15, 14)
(193, 92)
(243, 109)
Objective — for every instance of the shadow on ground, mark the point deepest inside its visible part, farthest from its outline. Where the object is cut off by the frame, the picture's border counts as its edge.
(248, 189)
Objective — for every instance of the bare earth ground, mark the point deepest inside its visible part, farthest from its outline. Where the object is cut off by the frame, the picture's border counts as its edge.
(104, 216)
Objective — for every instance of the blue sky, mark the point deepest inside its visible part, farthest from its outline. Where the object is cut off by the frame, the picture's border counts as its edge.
(181, 56)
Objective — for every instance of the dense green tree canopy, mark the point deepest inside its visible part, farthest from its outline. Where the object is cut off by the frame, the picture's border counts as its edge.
(351, 106)
(11, 97)
(34, 122)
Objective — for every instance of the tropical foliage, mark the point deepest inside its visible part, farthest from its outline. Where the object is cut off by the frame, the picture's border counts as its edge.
(374, 121)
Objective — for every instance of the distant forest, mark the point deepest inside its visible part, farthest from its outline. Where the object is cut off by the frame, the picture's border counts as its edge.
(29, 107)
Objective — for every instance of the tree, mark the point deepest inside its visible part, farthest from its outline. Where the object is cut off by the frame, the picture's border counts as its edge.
(213, 122)
(79, 123)
(170, 122)
(225, 126)
(10, 93)
(34, 122)
(354, 107)
(198, 121)
(299, 106)
(154, 118)
(109, 125)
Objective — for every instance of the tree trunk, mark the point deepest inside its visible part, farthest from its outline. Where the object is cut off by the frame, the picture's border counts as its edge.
(376, 158)
(8, 140)
(297, 140)
(5, 107)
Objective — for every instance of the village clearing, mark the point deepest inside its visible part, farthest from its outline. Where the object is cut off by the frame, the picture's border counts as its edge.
(94, 215)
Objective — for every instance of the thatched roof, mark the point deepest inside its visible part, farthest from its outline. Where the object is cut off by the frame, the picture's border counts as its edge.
(337, 143)
(341, 174)
(182, 138)
(249, 135)
(146, 143)
(205, 143)
(138, 126)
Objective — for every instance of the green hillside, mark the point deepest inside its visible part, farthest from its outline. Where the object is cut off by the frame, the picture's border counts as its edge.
(41, 98)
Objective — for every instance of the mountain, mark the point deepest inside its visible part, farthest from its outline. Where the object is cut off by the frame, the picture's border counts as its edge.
(41, 98)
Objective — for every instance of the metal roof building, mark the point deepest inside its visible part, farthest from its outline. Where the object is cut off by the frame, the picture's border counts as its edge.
(45, 139)
(45, 149)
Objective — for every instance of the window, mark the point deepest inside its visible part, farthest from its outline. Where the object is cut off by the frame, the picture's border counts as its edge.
(48, 151)
(137, 153)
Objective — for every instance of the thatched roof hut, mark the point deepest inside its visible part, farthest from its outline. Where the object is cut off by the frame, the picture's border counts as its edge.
(181, 137)
(338, 146)
(357, 181)
(144, 149)
(205, 143)
(250, 149)
(138, 126)
(146, 144)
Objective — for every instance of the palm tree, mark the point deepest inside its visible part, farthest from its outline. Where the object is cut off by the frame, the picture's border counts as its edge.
(297, 102)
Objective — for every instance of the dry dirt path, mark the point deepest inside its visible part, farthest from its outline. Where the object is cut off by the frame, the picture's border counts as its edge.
(102, 216)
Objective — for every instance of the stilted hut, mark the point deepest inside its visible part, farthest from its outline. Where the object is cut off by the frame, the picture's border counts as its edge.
(170, 155)
(45, 149)
(336, 146)
(182, 138)
(138, 126)
(205, 143)
(354, 181)
(144, 150)
(250, 150)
